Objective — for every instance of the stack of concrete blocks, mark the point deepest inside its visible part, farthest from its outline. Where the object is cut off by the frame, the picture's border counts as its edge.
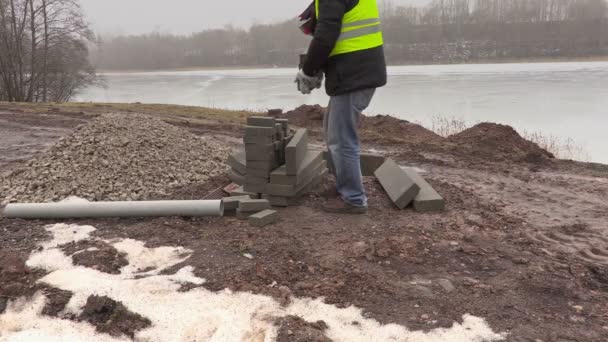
(276, 164)
(405, 186)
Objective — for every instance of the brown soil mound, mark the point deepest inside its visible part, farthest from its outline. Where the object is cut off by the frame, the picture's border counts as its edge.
(306, 116)
(111, 317)
(498, 143)
(116, 157)
(16, 279)
(389, 127)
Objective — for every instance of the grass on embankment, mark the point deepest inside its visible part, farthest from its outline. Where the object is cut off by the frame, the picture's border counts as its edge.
(88, 108)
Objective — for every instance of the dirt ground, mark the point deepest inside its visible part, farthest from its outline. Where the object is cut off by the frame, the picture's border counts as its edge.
(523, 243)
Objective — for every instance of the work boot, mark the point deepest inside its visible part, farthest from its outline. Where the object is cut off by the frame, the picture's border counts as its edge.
(338, 206)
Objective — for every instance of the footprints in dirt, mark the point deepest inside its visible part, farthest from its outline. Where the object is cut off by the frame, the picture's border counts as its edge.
(566, 213)
(588, 243)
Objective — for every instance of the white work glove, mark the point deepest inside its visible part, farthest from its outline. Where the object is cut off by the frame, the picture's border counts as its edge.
(306, 84)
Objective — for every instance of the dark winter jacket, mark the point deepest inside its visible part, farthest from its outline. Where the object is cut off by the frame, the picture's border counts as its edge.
(347, 72)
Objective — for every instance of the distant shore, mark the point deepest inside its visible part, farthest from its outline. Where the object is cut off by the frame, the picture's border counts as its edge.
(484, 61)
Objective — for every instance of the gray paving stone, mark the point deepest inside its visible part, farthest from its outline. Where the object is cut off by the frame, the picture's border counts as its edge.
(236, 177)
(257, 205)
(255, 188)
(251, 139)
(370, 162)
(296, 151)
(261, 121)
(250, 179)
(428, 200)
(258, 173)
(253, 131)
(241, 192)
(266, 165)
(398, 185)
(311, 161)
(232, 203)
(293, 190)
(237, 162)
(284, 124)
(264, 218)
(242, 215)
(260, 154)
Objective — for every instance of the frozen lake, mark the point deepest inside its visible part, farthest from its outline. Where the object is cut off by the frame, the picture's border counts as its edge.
(567, 100)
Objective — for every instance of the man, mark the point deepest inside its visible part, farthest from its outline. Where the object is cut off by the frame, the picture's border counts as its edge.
(348, 48)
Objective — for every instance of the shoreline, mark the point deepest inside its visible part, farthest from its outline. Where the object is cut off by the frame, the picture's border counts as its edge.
(477, 62)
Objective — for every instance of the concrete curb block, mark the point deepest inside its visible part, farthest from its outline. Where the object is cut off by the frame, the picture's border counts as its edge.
(232, 203)
(398, 185)
(264, 218)
(253, 205)
(237, 162)
(296, 151)
(428, 200)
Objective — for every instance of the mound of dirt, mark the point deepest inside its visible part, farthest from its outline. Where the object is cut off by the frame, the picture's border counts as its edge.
(16, 279)
(111, 317)
(389, 127)
(116, 157)
(306, 116)
(498, 143)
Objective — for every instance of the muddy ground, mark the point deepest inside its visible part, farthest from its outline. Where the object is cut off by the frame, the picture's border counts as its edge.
(523, 243)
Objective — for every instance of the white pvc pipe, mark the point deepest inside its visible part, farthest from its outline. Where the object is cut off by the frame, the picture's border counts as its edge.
(114, 209)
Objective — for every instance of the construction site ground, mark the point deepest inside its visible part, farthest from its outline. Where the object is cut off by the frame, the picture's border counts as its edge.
(523, 243)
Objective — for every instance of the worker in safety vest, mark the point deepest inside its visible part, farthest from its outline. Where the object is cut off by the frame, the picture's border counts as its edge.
(348, 48)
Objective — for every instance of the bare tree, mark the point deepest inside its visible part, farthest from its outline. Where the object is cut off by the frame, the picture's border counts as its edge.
(43, 50)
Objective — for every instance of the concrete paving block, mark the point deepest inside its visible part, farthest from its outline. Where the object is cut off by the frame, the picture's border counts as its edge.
(428, 200)
(241, 192)
(250, 179)
(253, 131)
(261, 121)
(296, 151)
(278, 201)
(252, 139)
(398, 185)
(236, 177)
(256, 205)
(284, 124)
(370, 162)
(293, 190)
(311, 161)
(242, 215)
(237, 162)
(258, 173)
(264, 218)
(255, 188)
(261, 153)
(266, 165)
(232, 203)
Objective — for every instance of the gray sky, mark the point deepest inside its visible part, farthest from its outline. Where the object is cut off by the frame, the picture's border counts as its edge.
(185, 16)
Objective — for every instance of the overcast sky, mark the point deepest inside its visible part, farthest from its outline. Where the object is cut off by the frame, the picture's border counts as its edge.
(185, 16)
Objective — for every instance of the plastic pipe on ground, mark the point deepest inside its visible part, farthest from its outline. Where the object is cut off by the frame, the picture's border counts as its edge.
(114, 209)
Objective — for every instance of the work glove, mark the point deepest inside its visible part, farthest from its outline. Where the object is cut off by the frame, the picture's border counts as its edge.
(306, 84)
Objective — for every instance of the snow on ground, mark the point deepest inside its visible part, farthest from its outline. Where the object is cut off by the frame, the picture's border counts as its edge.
(195, 315)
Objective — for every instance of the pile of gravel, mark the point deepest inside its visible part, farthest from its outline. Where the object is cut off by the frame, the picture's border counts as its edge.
(116, 157)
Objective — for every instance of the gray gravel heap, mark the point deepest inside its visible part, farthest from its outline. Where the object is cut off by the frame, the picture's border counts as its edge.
(116, 157)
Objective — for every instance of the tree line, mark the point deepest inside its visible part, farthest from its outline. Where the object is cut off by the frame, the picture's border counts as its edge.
(451, 31)
(44, 53)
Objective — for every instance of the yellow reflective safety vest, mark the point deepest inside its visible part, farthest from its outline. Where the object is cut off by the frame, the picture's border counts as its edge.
(360, 28)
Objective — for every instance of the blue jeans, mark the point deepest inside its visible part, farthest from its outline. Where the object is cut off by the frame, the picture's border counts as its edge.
(342, 139)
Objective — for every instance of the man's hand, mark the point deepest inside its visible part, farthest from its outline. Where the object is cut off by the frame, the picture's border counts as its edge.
(306, 84)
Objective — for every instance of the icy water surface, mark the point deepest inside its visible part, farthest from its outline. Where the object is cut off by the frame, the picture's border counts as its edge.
(567, 100)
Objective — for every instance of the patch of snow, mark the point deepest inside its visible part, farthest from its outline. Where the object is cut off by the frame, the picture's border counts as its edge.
(195, 315)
